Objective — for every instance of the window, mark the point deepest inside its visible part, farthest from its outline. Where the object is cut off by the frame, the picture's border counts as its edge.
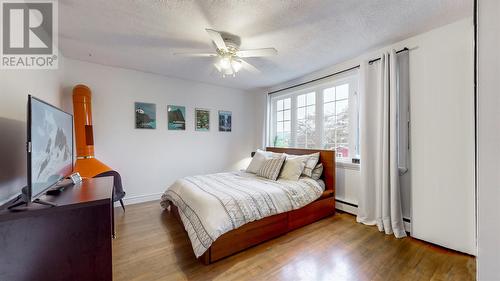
(306, 115)
(321, 116)
(336, 119)
(283, 122)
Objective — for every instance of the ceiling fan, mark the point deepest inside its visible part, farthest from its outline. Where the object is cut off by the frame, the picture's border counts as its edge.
(228, 54)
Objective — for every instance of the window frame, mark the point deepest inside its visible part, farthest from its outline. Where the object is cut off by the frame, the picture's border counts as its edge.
(351, 78)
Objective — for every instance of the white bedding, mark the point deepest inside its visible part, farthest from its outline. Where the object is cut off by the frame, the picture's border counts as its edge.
(211, 205)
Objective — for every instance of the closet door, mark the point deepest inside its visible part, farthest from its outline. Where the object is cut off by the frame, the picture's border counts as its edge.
(442, 137)
(403, 80)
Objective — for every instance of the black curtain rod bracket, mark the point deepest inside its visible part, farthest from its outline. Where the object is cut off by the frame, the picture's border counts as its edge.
(397, 52)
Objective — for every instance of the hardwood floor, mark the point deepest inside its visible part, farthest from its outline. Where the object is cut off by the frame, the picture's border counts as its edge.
(152, 245)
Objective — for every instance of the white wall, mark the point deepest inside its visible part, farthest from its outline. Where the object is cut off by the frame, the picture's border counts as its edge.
(15, 85)
(150, 160)
(488, 140)
(442, 135)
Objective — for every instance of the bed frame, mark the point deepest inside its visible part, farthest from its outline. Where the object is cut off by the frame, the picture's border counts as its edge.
(262, 230)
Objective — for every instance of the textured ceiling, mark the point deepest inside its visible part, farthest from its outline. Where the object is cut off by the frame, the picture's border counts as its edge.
(309, 35)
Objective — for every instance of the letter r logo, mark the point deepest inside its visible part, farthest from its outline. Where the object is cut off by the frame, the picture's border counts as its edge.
(27, 28)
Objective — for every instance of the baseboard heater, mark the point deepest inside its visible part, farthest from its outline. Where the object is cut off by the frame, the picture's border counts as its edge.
(346, 203)
(355, 206)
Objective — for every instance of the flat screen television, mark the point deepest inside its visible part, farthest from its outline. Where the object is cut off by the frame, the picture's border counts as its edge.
(49, 146)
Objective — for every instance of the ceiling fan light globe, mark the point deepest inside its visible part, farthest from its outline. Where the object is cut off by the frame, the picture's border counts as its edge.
(236, 65)
(227, 71)
(225, 63)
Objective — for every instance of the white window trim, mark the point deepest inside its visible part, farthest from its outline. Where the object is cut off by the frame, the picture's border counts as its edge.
(345, 163)
(318, 88)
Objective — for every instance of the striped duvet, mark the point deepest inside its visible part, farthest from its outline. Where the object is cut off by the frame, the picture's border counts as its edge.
(211, 205)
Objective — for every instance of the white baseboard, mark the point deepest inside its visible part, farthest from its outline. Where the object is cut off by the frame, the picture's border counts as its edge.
(130, 200)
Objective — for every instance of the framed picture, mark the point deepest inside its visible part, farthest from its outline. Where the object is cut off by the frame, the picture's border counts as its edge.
(224, 121)
(176, 117)
(202, 119)
(145, 115)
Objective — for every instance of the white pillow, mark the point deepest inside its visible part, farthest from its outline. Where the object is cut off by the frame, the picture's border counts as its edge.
(257, 161)
(259, 158)
(310, 159)
(271, 154)
(292, 169)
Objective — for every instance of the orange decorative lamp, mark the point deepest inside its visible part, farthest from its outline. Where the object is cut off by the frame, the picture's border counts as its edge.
(86, 163)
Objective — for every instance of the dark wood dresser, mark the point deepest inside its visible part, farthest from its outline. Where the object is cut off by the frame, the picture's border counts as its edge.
(69, 242)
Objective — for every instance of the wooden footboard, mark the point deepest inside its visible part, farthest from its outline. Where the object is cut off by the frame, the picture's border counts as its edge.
(265, 229)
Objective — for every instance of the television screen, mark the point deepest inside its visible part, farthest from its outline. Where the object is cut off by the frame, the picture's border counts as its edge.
(50, 157)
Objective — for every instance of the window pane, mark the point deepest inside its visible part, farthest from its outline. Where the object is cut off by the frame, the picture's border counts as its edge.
(287, 126)
(301, 100)
(279, 127)
(310, 138)
(342, 92)
(329, 94)
(301, 127)
(279, 116)
(301, 133)
(336, 120)
(341, 107)
(287, 103)
(282, 140)
(329, 136)
(301, 113)
(286, 139)
(311, 98)
(329, 121)
(311, 142)
(287, 114)
(310, 124)
(342, 132)
(279, 105)
(329, 109)
(311, 112)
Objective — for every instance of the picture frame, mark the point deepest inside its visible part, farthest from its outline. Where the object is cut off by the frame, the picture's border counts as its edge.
(202, 119)
(176, 117)
(225, 121)
(145, 115)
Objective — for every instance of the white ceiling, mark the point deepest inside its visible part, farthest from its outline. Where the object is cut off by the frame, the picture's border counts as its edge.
(309, 35)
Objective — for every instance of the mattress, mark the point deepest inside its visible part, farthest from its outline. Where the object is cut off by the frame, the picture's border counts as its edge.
(211, 205)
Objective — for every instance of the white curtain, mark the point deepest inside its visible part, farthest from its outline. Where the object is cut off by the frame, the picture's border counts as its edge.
(380, 196)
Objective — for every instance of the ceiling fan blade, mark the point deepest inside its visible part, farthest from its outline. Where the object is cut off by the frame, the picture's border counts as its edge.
(264, 52)
(207, 55)
(249, 67)
(217, 38)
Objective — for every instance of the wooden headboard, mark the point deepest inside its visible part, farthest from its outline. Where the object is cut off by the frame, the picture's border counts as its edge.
(327, 157)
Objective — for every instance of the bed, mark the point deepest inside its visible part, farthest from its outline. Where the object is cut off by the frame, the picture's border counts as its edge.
(239, 210)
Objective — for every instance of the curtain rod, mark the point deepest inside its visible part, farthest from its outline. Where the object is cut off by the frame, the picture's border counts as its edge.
(330, 75)
(314, 80)
(397, 52)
